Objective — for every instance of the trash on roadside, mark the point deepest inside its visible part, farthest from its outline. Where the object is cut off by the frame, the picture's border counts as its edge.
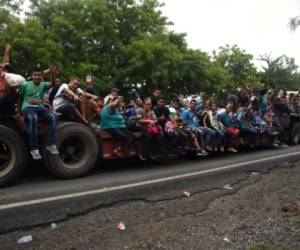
(53, 226)
(103, 189)
(121, 226)
(185, 194)
(25, 239)
(289, 207)
(226, 239)
(228, 187)
(255, 173)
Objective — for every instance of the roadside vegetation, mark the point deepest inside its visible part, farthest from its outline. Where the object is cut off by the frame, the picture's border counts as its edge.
(129, 43)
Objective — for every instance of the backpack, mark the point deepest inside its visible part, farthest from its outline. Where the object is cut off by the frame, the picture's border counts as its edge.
(53, 93)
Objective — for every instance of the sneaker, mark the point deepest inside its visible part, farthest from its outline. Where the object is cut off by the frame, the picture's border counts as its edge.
(275, 133)
(93, 125)
(142, 157)
(181, 151)
(36, 154)
(52, 149)
(232, 150)
(201, 153)
(275, 145)
(154, 157)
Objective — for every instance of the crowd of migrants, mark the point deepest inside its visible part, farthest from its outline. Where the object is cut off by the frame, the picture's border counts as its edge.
(172, 129)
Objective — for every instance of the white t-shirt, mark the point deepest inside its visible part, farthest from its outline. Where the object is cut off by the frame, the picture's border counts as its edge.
(59, 99)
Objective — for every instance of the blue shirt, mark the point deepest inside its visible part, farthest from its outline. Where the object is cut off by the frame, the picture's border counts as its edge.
(224, 118)
(199, 107)
(182, 110)
(191, 119)
(131, 113)
(111, 120)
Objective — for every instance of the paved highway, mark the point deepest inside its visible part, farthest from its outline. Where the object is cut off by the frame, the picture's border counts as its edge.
(40, 199)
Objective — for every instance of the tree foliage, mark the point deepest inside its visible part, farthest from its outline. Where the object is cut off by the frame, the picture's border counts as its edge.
(280, 72)
(122, 43)
(294, 23)
(238, 64)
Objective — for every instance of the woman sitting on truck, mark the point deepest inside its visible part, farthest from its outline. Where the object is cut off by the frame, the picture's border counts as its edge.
(113, 122)
(152, 132)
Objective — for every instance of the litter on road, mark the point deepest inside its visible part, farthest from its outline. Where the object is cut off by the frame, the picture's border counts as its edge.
(121, 226)
(25, 239)
(53, 226)
(185, 194)
(289, 207)
(228, 187)
(226, 239)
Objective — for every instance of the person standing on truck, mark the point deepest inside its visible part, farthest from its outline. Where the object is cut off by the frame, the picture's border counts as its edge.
(114, 92)
(31, 101)
(113, 122)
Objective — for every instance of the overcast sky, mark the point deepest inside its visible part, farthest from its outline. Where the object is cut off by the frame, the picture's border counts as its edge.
(258, 26)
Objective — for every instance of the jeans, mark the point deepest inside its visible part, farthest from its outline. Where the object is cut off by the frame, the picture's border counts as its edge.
(220, 135)
(183, 137)
(209, 135)
(31, 114)
(122, 134)
(152, 143)
(200, 135)
(262, 111)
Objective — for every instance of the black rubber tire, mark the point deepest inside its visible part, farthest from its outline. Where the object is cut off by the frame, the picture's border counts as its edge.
(295, 134)
(13, 145)
(78, 151)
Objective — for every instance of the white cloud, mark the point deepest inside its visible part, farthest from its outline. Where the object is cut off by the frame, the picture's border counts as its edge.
(258, 26)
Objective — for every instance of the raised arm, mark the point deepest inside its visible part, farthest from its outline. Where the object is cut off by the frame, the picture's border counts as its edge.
(53, 69)
(6, 54)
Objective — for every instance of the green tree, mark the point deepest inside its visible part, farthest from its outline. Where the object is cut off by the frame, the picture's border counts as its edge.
(294, 23)
(123, 43)
(238, 63)
(280, 72)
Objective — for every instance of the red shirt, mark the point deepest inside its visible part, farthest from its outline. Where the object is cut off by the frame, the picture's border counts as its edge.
(4, 89)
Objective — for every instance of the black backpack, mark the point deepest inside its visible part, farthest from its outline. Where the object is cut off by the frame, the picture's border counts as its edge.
(53, 92)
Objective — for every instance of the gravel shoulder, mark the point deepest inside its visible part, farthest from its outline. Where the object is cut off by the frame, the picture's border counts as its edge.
(251, 216)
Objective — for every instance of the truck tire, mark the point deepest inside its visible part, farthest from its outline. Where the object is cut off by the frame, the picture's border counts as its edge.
(78, 151)
(295, 134)
(13, 156)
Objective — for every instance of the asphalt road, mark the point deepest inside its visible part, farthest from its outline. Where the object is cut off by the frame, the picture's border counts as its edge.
(40, 199)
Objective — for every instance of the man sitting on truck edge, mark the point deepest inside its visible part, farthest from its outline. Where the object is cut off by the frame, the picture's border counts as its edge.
(72, 102)
(31, 105)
